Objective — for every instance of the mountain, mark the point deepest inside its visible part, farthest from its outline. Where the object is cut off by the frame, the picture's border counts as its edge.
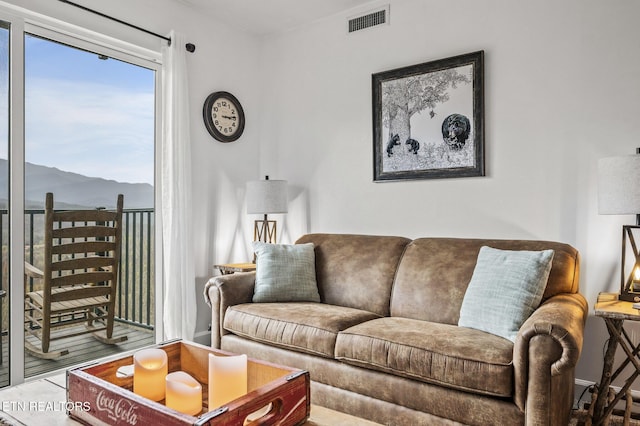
(73, 190)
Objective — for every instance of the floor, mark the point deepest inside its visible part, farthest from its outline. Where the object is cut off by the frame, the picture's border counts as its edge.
(82, 349)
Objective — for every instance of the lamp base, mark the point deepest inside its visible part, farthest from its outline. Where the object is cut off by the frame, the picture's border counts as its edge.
(629, 297)
(630, 268)
(265, 231)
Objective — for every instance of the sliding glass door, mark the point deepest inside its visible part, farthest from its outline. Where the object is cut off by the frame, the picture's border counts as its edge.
(78, 118)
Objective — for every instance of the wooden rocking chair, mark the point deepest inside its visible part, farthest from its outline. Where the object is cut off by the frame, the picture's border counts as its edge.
(80, 278)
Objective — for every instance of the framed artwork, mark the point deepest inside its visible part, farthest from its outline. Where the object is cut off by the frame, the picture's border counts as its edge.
(428, 120)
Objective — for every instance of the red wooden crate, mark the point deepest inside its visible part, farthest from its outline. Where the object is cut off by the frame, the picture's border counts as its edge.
(101, 398)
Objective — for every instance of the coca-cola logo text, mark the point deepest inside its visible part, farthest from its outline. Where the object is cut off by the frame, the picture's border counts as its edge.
(118, 409)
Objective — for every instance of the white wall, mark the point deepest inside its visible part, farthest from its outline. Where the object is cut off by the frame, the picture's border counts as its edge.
(561, 91)
(225, 59)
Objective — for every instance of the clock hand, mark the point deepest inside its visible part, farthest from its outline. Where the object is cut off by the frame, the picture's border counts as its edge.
(228, 117)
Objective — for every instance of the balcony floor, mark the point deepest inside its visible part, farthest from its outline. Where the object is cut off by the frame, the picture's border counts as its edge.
(81, 348)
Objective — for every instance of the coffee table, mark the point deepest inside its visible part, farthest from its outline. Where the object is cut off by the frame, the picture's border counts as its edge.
(47, 396)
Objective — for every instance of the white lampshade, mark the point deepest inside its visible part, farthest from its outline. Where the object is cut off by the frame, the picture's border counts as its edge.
(619, 185)
(267, 196)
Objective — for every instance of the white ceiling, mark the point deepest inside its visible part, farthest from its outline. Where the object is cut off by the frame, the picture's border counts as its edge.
(261, 17)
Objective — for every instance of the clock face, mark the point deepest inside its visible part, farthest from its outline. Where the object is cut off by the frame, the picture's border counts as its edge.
(223, 116)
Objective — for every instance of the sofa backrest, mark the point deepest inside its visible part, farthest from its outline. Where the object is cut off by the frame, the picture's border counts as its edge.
(433, 274)
(356, 271)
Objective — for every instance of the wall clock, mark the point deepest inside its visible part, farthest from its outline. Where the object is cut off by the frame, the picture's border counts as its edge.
(223, 116)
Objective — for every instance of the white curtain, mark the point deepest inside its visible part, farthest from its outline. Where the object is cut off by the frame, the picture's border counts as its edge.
(179, 316)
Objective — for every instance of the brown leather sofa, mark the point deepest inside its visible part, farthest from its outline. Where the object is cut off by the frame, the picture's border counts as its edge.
(384, 344)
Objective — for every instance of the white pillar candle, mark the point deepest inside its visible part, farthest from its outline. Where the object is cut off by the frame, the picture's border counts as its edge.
(227, 379)
(149, 370)
(184, 393)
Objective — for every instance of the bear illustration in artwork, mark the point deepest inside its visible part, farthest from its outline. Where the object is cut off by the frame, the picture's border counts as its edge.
(414, 145)
(395, 140)
(455, 131)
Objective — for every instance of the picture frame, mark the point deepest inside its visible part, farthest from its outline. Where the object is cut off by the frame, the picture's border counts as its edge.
(428, 120)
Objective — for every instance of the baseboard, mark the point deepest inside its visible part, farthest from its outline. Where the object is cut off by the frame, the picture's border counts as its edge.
(580, 396)
(584, 383)
(203, 337)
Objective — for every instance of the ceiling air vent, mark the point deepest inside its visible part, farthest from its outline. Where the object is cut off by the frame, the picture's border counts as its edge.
(369, 19)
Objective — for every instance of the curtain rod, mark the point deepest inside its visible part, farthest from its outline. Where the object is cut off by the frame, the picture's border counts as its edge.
(189, 46)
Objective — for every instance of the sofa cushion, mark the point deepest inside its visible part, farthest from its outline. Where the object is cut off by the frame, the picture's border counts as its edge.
(448, 355)
(505, 289)
(356, 271)
(441, 268)
(304, 327)
(285, 273)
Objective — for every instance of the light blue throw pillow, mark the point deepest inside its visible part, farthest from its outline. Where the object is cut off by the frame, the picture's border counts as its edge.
(505, 289)
(285, 273)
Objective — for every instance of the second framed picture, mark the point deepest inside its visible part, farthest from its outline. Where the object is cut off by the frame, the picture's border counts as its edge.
(428, 120)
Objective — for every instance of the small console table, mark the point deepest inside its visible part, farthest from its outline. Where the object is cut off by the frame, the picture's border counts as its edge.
(614, 312)
(230, 268)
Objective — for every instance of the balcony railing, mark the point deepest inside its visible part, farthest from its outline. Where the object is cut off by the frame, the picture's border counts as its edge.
(135, 299)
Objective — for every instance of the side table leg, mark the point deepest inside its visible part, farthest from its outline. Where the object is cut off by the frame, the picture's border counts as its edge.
(589, 420)
(628, 407)
(605, 381)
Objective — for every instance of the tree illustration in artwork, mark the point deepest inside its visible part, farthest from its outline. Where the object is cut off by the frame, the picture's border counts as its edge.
(404, 97)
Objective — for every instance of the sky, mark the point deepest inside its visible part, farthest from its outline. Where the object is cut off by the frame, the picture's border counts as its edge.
(86, 115)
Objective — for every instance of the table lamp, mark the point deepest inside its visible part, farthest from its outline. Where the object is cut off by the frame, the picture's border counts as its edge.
(619, 193)
(266, 197)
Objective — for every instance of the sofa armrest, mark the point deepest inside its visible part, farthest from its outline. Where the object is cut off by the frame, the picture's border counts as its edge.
(224, 291)
(547, 350)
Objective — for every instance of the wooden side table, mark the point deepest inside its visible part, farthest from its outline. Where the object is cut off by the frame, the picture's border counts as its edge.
(614, 312)
(230, 268)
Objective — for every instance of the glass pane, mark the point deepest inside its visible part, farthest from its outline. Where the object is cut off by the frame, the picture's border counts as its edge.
(89, 136)
(4, 203)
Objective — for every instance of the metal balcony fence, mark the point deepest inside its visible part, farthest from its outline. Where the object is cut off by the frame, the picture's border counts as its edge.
(135, 299)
